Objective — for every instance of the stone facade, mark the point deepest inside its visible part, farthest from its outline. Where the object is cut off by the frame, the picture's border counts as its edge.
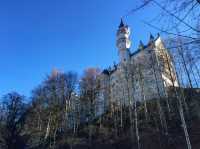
(142, 75)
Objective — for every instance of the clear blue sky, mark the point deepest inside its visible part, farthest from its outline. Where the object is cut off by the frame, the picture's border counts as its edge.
(39, 35)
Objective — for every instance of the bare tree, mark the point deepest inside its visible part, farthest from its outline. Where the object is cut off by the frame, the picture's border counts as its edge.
(88, 92)
(14, 114)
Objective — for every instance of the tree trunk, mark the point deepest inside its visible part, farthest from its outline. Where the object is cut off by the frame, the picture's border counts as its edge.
(48, 127)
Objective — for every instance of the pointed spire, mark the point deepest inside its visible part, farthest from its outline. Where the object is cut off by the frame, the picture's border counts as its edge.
(121, 23)
(141, 45)
(115, 65)
(151, 38)
(106, 72)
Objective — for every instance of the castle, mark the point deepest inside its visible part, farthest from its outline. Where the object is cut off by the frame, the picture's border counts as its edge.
(145, 74)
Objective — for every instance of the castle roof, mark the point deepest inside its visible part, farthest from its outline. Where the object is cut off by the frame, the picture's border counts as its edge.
(121, 24)
(110, 70)
(106, 72)
(151, 40)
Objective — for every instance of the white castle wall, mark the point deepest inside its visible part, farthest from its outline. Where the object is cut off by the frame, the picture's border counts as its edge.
(143, 76)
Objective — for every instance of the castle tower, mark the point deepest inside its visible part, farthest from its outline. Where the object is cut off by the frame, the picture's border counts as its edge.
(123, 42)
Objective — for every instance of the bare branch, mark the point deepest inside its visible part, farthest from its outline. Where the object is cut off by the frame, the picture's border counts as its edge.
(176, 17)
(146, 2)
(164, 31)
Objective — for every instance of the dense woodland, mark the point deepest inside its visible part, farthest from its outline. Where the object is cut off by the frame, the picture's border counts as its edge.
(61, 110)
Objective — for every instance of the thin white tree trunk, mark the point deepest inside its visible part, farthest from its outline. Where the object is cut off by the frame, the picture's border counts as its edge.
(135, 110)
(161, 113)
(143, 93)
(180, 52)
(180, 108)
(136, 124)
(48, 127)
(54, 137)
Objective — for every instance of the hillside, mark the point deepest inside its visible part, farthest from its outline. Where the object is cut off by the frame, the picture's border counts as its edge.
(107, 132)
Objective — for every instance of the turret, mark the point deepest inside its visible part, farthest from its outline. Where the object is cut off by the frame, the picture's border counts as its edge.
(151, 39)
(123, 42)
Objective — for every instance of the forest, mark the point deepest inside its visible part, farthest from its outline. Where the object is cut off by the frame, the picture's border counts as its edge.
(61, 111)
